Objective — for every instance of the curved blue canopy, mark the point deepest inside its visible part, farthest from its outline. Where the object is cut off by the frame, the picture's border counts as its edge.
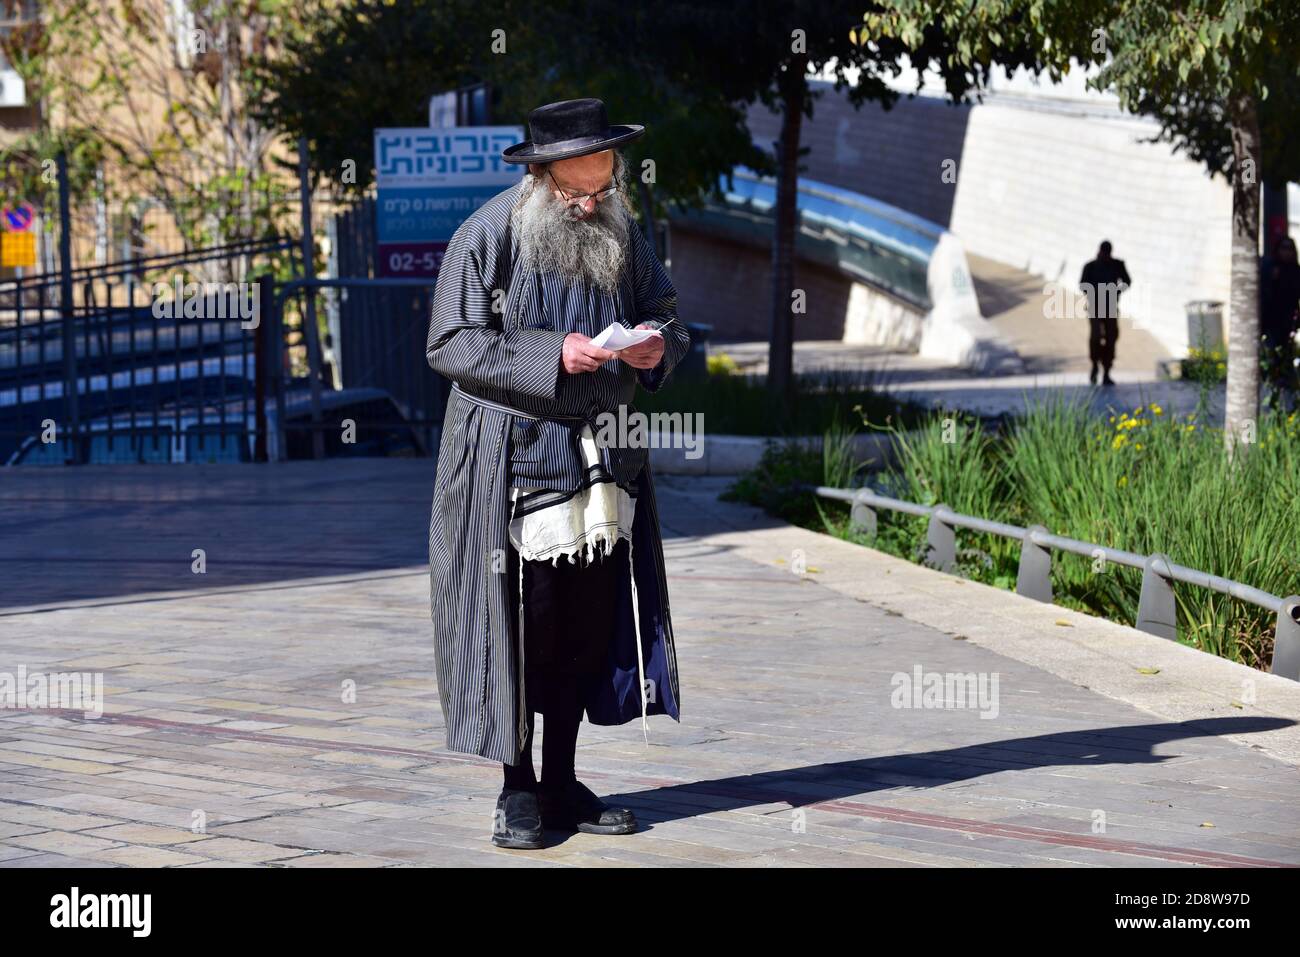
(873, 242)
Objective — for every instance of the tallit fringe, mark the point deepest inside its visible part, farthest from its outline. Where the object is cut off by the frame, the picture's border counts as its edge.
(523, 694)
(636, 621)
(599, 542)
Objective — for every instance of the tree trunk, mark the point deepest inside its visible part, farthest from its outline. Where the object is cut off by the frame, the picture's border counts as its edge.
(1241, 412)
(648, 210)
(780, 353)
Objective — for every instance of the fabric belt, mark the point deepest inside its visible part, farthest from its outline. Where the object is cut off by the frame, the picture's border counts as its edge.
(533, 417)
(511, 410)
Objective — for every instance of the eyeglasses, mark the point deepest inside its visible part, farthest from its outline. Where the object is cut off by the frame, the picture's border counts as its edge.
(577, 199)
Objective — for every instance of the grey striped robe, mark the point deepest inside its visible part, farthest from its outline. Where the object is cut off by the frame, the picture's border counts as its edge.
(511, 356)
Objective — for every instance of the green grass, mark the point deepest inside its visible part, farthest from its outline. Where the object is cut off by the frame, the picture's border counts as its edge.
(1144, 481)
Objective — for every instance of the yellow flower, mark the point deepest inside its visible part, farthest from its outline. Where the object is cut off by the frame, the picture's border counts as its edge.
(1156, 409)
(1123, 480)
(722, 364)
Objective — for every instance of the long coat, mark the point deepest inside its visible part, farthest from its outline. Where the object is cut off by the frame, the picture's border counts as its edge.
(490, 353)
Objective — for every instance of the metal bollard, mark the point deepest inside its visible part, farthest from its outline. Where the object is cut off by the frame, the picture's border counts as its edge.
(862, 517)
(1286, 646)
(1157, 610)
(1034, 577)
(941, 541)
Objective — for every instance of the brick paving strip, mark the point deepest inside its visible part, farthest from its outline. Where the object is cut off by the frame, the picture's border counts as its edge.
(226, 740)
(768, 794)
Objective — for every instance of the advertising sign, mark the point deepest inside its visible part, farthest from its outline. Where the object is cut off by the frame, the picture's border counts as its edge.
(429, 181)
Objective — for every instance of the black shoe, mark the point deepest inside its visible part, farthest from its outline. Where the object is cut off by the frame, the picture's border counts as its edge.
(1107, 380)
(1092, 376)
(575, 808)
(517, 822)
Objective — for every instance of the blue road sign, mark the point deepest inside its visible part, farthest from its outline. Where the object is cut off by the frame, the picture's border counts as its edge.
(19, 219)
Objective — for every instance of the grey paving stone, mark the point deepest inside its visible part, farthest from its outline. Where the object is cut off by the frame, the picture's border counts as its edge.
(223, 694)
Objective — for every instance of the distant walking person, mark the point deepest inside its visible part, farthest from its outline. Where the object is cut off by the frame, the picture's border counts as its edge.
(1279, 295)
(1103, 280)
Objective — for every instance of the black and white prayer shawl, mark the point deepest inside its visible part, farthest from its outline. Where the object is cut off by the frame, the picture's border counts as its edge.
(513, 418)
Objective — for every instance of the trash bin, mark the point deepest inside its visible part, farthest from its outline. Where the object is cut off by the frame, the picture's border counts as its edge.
(1205, 325)
(695, 362)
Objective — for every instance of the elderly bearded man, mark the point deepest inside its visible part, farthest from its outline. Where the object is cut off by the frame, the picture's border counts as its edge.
(546, 566)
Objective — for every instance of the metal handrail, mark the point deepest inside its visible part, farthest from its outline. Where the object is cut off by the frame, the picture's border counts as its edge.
(137, 264)
(1157, 611)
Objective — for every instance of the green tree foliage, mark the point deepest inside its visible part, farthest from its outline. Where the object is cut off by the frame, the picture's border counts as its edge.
(688, 71)
(364, 65)
(151, 101)
(374, 64)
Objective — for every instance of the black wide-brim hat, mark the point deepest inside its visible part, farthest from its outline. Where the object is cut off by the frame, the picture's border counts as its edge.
(567, 129)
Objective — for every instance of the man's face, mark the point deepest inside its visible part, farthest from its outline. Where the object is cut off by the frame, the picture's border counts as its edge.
(581, 176)
(584, 239)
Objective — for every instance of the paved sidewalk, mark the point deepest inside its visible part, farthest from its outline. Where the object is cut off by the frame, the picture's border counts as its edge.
(933, 384)
(229, 737)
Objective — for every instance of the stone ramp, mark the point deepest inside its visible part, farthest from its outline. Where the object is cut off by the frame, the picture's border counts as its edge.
(1013, 302)
(228, 704)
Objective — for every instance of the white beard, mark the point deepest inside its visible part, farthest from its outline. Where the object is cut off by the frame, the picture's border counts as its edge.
(592, 249)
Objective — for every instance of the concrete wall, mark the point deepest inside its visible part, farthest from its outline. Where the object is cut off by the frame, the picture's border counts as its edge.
(1040, 190)
(894, 156)
(1039, 184)
(728, 285)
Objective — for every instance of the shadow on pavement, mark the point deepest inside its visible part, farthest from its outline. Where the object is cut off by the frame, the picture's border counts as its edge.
(813, 784)
(101, 532)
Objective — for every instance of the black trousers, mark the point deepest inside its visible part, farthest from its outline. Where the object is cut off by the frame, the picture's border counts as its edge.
(1102, 334)
(569, 612)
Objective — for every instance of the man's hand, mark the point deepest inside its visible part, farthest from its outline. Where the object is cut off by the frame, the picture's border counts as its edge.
(580, 355)
(644, 355)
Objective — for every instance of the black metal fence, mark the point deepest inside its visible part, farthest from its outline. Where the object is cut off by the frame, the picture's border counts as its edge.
(147, 360)
(390, 402)
(216, 354)
(384, 324)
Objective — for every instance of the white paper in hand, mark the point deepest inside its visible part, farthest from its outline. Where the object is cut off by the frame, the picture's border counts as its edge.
(616, 337)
